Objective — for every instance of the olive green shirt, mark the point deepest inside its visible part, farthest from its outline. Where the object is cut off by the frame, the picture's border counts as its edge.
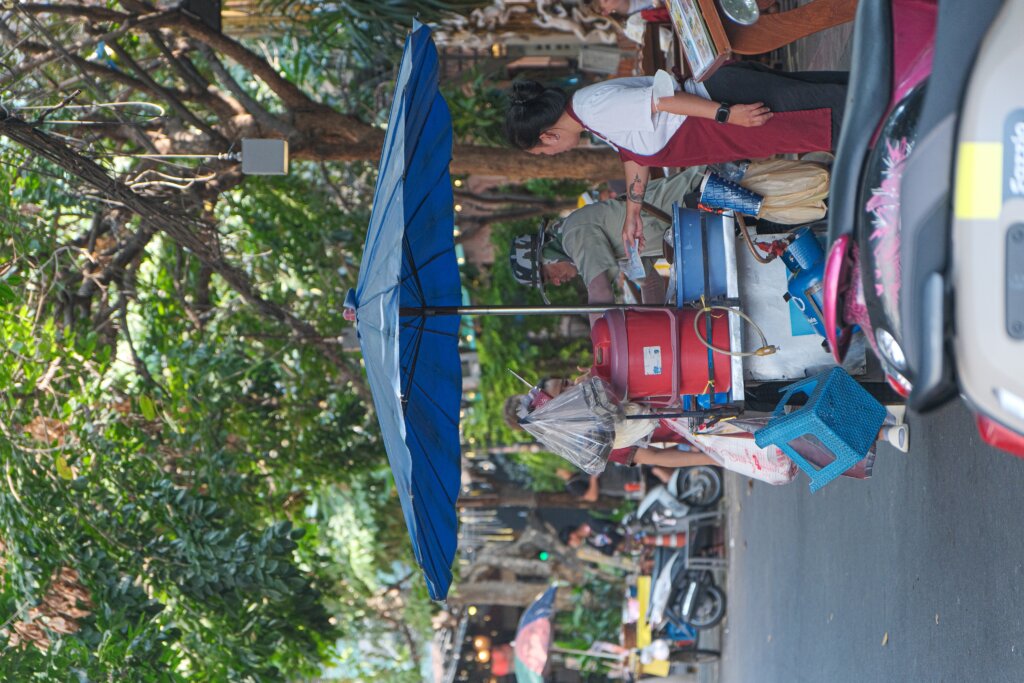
(592, 235)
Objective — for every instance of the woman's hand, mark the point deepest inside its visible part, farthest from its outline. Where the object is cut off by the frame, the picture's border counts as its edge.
(749, 115)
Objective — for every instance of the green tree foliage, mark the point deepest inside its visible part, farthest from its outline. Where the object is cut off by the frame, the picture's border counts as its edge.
(164, 441)
(477, 108)
(180, 430)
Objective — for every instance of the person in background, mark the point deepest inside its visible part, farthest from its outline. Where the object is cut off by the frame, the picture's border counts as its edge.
(599, 534)
(617, 481)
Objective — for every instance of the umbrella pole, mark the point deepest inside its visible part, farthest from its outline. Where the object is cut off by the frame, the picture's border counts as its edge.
(431, 311)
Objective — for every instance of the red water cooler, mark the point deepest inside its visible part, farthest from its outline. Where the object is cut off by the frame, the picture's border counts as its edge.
(654, 357)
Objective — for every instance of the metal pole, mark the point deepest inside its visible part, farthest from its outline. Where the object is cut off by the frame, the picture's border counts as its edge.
(431, 311)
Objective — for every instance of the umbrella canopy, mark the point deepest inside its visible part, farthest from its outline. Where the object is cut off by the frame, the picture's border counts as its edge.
(412, 361)
(533, 638)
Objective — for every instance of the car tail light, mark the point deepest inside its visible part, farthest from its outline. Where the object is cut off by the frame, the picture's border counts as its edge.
(834, 286)
(998, 436)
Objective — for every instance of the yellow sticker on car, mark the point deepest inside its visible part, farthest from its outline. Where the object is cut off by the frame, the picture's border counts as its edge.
(979, 180)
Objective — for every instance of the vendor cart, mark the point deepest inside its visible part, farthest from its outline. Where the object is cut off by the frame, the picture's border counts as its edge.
(708, 351)
(742, 328)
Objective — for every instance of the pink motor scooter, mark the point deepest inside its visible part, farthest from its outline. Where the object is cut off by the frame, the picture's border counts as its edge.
(923, 215)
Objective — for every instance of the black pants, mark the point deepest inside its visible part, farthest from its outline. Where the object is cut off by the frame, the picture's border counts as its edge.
(749, 82)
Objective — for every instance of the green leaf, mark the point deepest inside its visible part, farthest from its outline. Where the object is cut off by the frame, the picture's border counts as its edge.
(63, 471)
(7, 294)
(147, 407)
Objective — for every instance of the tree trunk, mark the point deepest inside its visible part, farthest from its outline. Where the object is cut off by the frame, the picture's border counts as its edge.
(525, 567)
(579, 164)
(319, 143)
(504, 593)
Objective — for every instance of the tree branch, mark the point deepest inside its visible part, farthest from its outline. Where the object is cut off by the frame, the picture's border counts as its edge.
(127, 24)
(167, 219)
(91, 12)
(494, 200)
(262, 117)
(116, 269)
(289, 93)
(185, 68)
(140, 365)
(167, 94)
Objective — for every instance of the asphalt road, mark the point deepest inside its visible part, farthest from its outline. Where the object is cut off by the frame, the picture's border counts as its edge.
(913, 575)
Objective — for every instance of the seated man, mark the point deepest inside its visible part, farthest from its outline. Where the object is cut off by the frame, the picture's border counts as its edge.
(588, 242)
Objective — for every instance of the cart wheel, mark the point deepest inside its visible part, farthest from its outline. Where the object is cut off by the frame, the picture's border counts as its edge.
(700, 486)
(695, 656)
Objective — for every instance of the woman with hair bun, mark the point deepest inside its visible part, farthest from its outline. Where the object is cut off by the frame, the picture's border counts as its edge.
(744, 110)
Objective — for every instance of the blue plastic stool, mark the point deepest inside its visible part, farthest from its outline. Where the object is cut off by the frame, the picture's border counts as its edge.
(839, 413)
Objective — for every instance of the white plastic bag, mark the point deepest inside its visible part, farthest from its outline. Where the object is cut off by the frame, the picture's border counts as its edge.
(735, 450)
(634, 432)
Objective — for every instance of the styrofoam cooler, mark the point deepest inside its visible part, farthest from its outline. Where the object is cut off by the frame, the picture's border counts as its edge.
(654, 357)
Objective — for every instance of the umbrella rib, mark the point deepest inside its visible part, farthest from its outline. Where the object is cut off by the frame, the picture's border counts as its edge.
(415, 358)
(426, 263)
(416, 481)
(413, 270)
(433, 469)
(415, 267)
(425, 117)
(440, 411)
(438, 333)
(436, 538)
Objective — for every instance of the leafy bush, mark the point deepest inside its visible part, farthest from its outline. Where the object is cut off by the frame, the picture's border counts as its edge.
(167, 456)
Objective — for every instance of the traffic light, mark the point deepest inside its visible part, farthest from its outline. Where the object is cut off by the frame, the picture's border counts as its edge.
(543, 555)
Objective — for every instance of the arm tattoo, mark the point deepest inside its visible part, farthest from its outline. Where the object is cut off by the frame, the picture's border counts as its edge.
(637, 189)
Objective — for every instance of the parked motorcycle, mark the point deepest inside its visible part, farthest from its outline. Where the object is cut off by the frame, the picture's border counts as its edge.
(926, 216)
(690, 489)
(683, 596)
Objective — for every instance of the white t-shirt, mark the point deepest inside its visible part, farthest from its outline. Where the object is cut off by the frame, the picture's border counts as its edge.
(619, 110)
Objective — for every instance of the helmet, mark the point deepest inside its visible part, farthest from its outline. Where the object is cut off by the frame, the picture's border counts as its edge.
(525, 259)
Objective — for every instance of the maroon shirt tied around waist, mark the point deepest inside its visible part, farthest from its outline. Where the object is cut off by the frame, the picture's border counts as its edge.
(703, 141)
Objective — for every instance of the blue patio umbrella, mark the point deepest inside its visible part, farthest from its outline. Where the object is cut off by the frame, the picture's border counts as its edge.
(408, 303)
(412, 361)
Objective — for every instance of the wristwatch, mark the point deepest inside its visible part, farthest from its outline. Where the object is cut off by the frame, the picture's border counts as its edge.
(722, 115)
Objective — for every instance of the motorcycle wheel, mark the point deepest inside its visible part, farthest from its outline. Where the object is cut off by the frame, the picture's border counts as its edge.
(701, 486)
(695, 656)
(711, 610)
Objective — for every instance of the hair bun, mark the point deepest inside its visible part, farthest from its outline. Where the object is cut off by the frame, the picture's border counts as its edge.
(523, 91)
